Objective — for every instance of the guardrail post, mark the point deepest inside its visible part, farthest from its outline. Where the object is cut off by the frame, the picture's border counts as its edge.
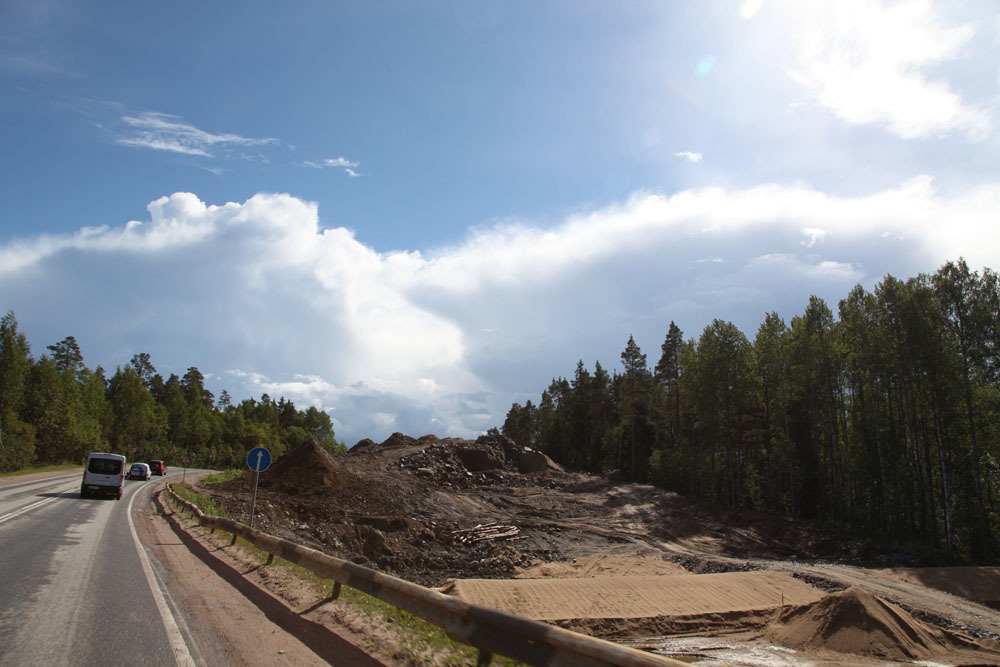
(234, 540)
(335, 593)
(485, 657)
(270, 559)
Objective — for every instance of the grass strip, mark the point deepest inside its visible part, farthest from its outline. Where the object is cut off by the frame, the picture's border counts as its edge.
(223, 476)
(52, 468)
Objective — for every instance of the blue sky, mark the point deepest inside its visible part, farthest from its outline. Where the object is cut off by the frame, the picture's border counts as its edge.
(413, 214)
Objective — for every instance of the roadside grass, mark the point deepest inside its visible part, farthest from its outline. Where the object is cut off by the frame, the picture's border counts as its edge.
(204, 501)
(426, 643)
(223, 476)
(52, 468)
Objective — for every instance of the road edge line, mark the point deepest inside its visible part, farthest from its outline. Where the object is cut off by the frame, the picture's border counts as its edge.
(182, 653)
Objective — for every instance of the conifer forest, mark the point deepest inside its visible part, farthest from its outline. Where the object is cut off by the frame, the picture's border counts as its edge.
(53, 409)
(882, 418)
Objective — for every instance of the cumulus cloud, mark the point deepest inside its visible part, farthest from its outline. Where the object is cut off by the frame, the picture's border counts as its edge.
(872, 63)
(263, 299)
(160, 131)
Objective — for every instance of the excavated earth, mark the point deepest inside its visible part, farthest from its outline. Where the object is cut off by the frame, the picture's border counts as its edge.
(502, 525)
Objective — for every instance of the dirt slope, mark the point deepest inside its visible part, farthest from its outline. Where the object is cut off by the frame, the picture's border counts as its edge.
(437, 510)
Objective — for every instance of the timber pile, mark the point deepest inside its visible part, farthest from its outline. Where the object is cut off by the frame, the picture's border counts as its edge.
(485, 531)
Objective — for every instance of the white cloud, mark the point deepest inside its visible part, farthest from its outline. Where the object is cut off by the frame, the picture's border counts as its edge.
(872, 63)
(164, 132)
(815, 236)
(349, 166)
(445, 341)
(789, 264)
(689, 156)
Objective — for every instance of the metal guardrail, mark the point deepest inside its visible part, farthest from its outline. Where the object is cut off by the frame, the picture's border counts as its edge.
(489, 630)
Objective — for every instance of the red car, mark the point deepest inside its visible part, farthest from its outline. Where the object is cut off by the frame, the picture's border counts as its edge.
(158, 467)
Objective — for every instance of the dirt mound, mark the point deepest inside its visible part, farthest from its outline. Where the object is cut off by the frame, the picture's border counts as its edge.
(855, 621)
(399, 440)
(306, 468)
(452, 462)
(388, 505)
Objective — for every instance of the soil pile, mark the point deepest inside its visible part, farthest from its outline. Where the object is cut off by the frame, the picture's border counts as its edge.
(383, 504)
(855, 621)
(310, 469)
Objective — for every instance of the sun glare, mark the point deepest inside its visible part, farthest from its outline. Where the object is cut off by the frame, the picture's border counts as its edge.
(749, 8)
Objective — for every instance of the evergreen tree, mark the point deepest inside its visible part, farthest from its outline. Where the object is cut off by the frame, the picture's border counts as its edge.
(967, 319)
(144, 368)
(17, 437)
(67, 357)
(771, 367)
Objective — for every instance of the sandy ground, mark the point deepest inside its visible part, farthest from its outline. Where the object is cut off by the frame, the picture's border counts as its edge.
(636, 597)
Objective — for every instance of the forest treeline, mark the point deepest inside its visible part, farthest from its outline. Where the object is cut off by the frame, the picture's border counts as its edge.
(54, 409)
(883, 420)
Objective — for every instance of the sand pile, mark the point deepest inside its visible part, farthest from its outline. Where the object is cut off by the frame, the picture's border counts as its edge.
(855, 621)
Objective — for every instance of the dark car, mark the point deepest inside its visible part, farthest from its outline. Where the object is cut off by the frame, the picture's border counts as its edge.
(158, 467)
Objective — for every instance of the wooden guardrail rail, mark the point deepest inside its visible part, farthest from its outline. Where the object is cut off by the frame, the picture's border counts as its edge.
(489, 630)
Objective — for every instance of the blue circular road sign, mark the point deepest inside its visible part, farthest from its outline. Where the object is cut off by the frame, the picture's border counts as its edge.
(259, 459)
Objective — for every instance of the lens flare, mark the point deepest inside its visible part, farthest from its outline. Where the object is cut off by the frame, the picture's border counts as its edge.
(705, 67)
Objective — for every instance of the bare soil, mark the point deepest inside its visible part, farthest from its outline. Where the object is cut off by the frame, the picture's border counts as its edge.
(498, 524)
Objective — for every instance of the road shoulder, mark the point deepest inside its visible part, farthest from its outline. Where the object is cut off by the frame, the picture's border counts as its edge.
(225, 603)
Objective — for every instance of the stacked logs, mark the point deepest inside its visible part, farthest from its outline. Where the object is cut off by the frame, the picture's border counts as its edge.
(485, 531)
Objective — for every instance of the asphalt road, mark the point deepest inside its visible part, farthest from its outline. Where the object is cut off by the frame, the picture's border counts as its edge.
(76, 587)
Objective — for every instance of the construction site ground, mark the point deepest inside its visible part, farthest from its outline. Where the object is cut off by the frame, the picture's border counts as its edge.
(503, 526)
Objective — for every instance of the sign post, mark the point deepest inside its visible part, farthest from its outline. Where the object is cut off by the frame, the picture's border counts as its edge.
(258, 460)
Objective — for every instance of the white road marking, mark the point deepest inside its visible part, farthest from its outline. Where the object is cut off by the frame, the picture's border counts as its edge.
(181, 653)
(26, 508)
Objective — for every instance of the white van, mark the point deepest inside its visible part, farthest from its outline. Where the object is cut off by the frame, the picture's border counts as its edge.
(103, 475)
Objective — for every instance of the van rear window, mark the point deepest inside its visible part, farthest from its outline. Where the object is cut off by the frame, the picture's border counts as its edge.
(105, 466)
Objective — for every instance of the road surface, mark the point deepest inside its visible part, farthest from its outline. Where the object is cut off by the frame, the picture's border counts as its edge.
(76, 585)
